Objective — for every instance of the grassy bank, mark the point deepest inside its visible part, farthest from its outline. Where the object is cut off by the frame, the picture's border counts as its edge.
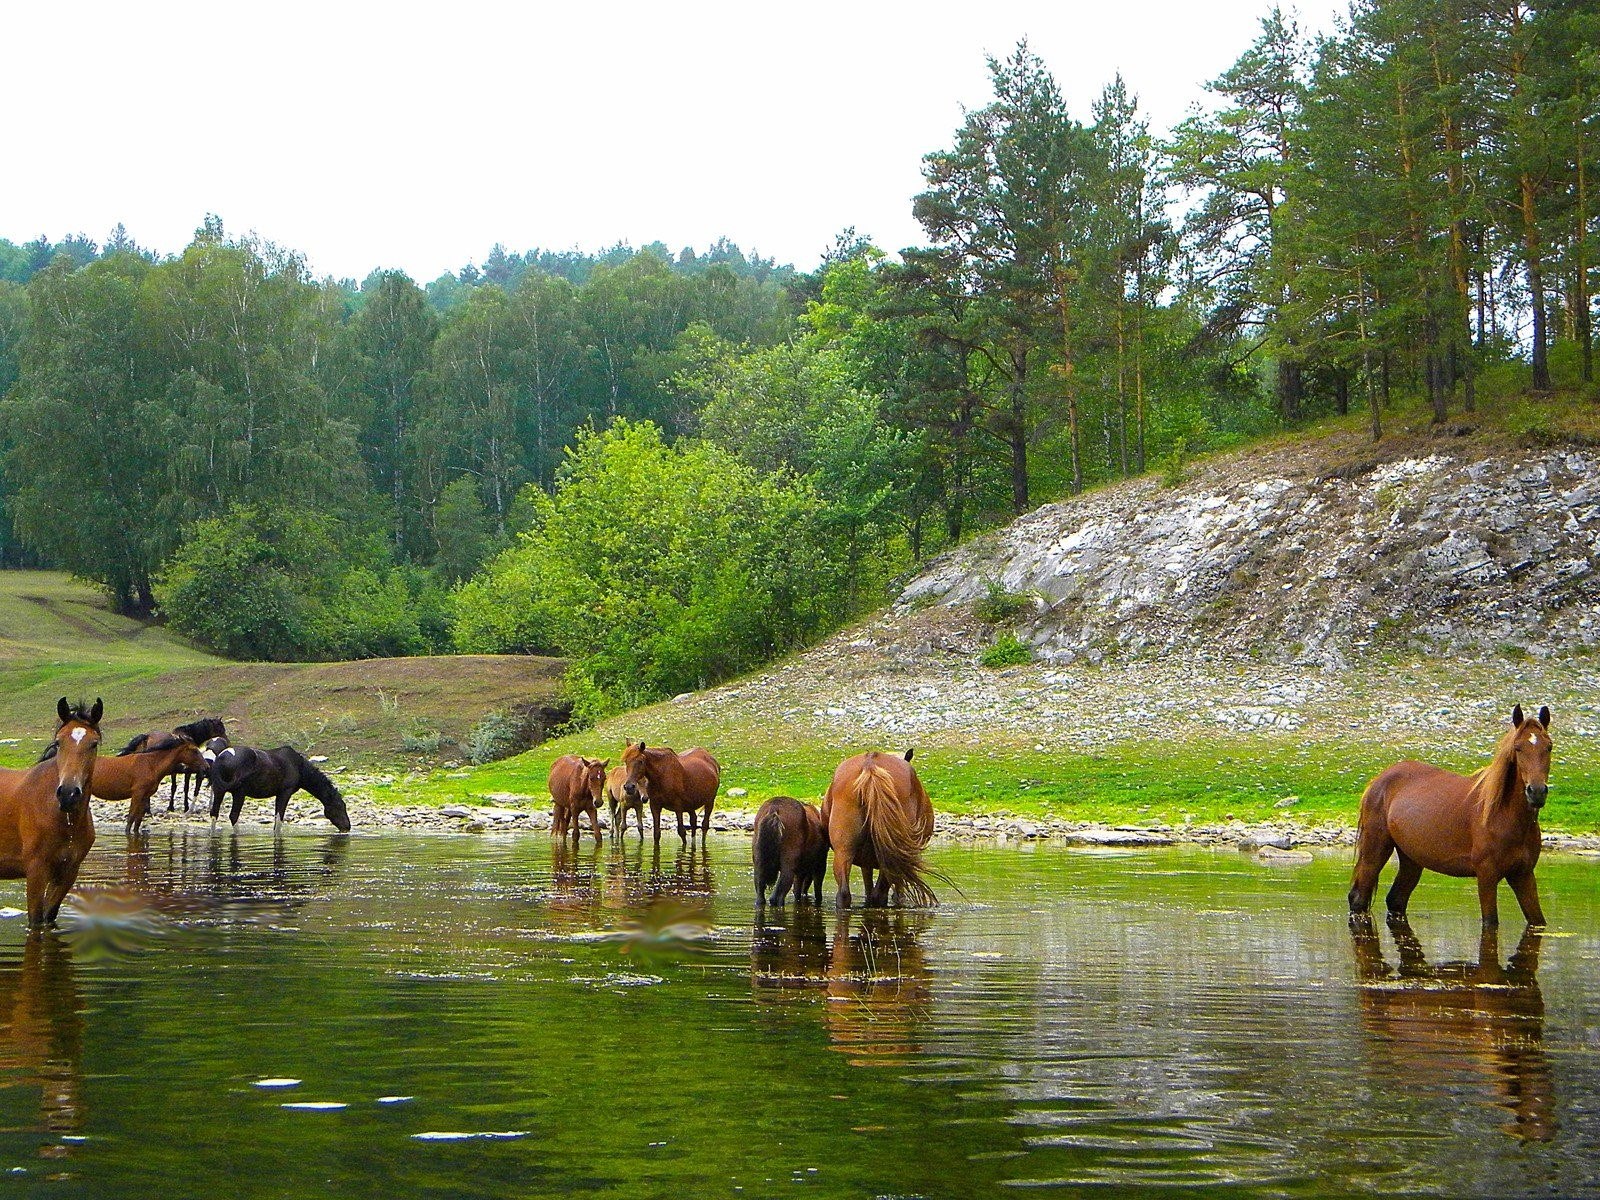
(58, 637)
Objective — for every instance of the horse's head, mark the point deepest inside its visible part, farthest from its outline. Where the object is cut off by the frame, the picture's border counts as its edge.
(190, 758)
(77, 740)
(333, 808)
(212, 748)
(594, 776)
(636, 786)
(1533, 755)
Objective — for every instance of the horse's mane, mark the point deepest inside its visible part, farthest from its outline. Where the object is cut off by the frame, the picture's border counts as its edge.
(202, 731)
(311, 777)
(143, 745)
(1489, 784)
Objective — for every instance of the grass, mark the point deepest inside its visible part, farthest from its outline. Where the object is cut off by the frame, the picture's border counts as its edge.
(58, 637)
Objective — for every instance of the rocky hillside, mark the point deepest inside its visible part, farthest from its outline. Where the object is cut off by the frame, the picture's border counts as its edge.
(1311, 554)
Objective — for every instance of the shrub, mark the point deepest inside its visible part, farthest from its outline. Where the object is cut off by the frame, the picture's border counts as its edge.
(998, 604)
(497, 736)
(1006, 651)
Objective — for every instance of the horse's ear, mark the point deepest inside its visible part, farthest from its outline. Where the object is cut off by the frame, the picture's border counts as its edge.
(641, 745)
(1516, 715)
(95, 712)
(605, 764)
(63, 711)
(910, 750)
(1544, 716)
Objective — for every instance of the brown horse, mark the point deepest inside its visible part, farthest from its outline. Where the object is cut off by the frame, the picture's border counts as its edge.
(575, 786)
(617, 800)
(46, 826)
(790, 849)
(1453, 1023)
(134, 775)
(1484, 825)
(879, 818)
(685, 783)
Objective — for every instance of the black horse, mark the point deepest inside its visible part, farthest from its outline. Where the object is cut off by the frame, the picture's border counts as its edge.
(243, 771)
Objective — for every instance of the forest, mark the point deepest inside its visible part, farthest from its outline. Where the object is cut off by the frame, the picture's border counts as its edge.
(670, 467)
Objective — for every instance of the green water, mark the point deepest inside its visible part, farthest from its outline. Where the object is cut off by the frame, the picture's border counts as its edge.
(1155, 1020)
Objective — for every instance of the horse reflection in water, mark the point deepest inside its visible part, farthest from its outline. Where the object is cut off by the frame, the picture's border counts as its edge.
(1474, 1022)
(41, 1043)
(873, 977)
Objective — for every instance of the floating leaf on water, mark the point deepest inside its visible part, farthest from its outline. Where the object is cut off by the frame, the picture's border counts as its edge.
(277, 1083)
(316, 1105)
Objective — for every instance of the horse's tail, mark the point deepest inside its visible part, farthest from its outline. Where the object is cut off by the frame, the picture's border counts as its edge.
(768, 851)
(1372, 801)
(895, 831)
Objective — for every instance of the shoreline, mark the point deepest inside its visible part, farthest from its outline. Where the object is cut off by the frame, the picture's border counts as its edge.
(1282, 840)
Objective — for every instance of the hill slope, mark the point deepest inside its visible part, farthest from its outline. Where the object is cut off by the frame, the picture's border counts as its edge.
(1255, 642)
(59, 637)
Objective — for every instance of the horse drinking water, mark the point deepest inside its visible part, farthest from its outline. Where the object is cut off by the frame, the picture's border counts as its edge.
(879, 818)
(46, 827)
(1484, 825)
(245, 771)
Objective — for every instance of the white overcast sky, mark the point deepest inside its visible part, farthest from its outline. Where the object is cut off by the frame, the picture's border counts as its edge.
(416, 136)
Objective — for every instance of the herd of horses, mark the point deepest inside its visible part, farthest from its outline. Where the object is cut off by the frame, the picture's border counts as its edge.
(875, 816)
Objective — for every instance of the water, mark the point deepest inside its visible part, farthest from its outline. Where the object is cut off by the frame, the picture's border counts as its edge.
(442, 1016)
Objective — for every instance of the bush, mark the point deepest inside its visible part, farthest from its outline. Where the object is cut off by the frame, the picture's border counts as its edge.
(497, 736)
(1006, 651)
(998, 604)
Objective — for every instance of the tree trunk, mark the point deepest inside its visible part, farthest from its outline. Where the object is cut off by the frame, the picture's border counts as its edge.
(1533, 254)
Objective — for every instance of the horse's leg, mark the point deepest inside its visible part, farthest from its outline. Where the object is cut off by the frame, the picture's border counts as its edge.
(655, 817)
(1488, 884)
(238, 807)
(594, 820)
(841, 877)
(59, 886)
(785, 882)
(38, 892)
(138, 806)
(705, 819)
(280, 808)
(1373, 848)
(683, 837)
(1405, 879)
(1527, 894)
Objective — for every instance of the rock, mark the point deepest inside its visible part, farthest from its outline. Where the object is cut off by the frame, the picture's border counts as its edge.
(1286, 802)
(738, 793)
(1266, 841)
(1277, 857)
(682, 696)
(455, 810)
(1118, 837)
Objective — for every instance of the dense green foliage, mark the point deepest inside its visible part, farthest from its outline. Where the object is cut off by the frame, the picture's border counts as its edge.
(1401, 209)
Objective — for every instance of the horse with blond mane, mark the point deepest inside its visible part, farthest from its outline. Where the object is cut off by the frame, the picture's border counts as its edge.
(1484, 825)
(879, 818)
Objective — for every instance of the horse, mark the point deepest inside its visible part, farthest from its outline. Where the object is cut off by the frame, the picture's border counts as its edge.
(1484, 825)
(575, 786)
(46, 825)
(134, 775)
(244, 771)
(789, 848)
(620, 805)
(199, 732)
(879, 817)
(684, 783)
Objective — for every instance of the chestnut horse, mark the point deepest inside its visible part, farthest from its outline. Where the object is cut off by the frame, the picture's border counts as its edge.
(46, 826)
(134, 775)
(879, 818)
(575, 786)
(619, 803)
(789, 849)
(663, 778)
(1484, 825)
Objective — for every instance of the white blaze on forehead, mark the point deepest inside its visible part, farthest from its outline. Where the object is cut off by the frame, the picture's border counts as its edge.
(77, 734)
(1533, 739)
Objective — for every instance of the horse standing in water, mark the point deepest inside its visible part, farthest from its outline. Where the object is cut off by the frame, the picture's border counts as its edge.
(684, 783)
(134, 775)
(789, 849)
(199, 732)
(575, 786)
(244, 771)
(46, 827)
(619, 804)
(879, 818)
(1485, 825)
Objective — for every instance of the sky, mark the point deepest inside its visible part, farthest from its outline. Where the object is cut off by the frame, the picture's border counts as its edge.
(416, 136)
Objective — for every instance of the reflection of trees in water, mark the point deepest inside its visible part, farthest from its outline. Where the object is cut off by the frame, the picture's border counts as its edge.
(873, 977)
(1479, 1022)
(41, 1044)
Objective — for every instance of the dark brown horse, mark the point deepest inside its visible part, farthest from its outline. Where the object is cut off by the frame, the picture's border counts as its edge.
(245, 771)
(790, 849)
(135, 775)
(879, 818)
(1451, 1023)
(685, 783)
(1484, 825)
(619, 803)
(46, 826)
(575, 786)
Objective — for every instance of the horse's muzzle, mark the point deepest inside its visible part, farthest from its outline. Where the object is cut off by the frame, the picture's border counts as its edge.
(631, 790)
(1536, 793)
(69, 796)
